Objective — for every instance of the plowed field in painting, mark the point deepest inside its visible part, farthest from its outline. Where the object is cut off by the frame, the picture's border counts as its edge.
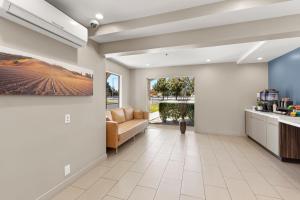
(29, 76)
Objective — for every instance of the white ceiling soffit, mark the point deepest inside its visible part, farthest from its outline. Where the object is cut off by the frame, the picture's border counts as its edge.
(218, 54)
(224, 13)
(272, 49)
(115, 11)
(239, 53)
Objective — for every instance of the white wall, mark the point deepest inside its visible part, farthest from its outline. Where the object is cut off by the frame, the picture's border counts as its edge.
(35, 144)
(222, 92)
(125, 79)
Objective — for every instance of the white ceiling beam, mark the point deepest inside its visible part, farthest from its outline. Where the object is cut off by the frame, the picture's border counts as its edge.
(107, 32)
(250, 51)
(276, 28)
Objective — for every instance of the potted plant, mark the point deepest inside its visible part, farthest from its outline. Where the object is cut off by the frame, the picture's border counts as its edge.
(259, 105)
(183, 112)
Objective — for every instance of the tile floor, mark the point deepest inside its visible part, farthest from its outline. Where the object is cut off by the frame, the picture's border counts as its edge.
(162, 164)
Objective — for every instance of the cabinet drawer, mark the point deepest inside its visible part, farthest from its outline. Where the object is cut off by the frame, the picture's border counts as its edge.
(259, 117)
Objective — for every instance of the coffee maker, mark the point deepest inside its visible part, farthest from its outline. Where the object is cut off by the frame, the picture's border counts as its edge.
(284, 104)
(268, 98)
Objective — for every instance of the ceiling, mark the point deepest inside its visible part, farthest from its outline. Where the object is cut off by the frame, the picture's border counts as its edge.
(114, 11)
(219, 16)
(128, 20)
(239, 53)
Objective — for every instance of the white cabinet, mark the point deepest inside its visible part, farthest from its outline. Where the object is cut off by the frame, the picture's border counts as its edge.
(259, 129)
(264, 130)
(273, 135)
(249, 124)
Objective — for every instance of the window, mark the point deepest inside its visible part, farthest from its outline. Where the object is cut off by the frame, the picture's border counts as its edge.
(171, 99)
(112, 90)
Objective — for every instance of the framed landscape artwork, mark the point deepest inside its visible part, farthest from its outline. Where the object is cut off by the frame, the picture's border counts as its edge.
(25, 74)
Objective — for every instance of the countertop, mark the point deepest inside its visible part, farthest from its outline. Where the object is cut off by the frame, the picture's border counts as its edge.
(293, 121)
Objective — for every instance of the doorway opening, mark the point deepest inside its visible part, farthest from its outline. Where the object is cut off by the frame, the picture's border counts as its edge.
(171, 99)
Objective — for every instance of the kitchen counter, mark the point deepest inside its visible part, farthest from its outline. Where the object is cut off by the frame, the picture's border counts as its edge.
(293, 121)
(280, 134)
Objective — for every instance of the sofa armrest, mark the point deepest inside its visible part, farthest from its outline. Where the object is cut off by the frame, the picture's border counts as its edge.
(140, 115)
(146, 115)
(112, 130)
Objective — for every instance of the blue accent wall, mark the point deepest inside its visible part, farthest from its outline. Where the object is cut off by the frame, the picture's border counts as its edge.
(284, 75)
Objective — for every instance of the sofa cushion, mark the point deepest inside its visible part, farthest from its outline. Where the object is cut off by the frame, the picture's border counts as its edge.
(128, 114)
(130, 128)
(138, 115)
(108, 116)
(118, 115)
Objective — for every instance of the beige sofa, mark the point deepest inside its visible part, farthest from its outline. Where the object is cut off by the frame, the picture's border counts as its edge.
(123, 124)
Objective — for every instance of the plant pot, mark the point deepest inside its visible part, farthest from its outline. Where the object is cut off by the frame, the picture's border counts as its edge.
(182, 124)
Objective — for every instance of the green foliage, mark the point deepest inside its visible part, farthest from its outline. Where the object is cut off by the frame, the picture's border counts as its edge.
(164, 111)
(189, 84)
(110, 91)
(191, 111)
(154, 107)
(162, 86)
(175, 86)
(173, 111)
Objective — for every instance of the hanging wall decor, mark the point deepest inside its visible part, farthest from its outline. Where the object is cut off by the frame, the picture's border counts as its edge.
(26, 74)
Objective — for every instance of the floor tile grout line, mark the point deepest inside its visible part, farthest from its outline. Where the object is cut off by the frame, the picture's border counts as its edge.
(182, 176)
(74, 186)
(246, 179)
(156, 189)
(124, 175)
(259, 195)
(273, 187)
(170, 146)
(133, 188)
(229, 193)
(98, 179)
(162, 175)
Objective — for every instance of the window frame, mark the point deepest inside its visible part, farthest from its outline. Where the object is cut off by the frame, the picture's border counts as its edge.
(119, 88)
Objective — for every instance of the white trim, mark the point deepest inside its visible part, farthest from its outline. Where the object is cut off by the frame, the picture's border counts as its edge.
(53, 191)
(121, 92)
(251, 51)
(120, 87)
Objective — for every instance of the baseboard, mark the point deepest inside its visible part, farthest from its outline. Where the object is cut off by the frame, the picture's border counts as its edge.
(56, 189)
(222, 133)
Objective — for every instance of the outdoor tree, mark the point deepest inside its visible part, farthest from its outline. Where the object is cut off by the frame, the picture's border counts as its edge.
(108, 89)
(162, 86)
(111, 91)
(176, 86)
(189, 85)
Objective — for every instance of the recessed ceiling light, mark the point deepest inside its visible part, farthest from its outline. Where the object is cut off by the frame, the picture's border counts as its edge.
(73, 22)
(147, 65)
(260, 58)
(99, 16)
(208, 60)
